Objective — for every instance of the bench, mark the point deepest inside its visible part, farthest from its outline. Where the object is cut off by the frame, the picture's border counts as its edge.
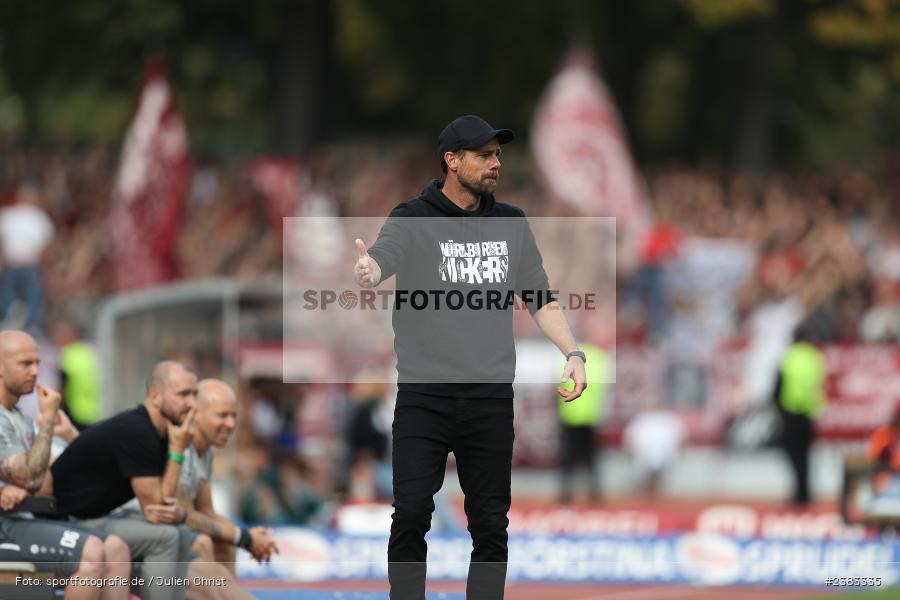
(12, 570)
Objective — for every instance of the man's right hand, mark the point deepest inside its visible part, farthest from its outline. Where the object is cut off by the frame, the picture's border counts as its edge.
(366, 271)
(48, 402)
(263, 545)
(180, 435)
(11, 496)
(170, 513)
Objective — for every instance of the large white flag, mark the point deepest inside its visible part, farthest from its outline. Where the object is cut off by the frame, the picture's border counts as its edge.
(580, 147)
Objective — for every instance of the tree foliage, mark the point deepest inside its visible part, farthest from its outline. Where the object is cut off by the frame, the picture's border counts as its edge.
(756, 83)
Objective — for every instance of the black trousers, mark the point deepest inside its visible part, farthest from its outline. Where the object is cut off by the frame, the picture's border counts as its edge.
(479, 432)
(576, 445)
(797, 438)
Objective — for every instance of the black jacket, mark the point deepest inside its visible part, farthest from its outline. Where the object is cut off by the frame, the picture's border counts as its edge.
(457, 273)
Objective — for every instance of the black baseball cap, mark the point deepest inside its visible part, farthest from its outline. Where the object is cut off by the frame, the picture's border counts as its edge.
(470, 131)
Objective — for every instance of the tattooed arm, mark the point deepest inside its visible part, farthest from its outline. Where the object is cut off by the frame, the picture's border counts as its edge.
(202, 517)
(27, 470)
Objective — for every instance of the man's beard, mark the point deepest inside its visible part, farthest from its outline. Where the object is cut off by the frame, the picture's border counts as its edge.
(479, 187)
(175, 419)
(22, 389)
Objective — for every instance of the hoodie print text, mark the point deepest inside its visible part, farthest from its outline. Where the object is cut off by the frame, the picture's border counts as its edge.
(474, 262)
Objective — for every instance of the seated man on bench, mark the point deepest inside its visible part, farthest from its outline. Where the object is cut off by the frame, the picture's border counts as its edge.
(138, 454)
(52, 546)
(215, 536)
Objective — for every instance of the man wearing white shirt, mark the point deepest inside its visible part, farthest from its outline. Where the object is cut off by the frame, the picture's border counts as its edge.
(25, 232)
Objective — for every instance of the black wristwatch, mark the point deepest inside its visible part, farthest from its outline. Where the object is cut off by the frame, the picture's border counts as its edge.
(246, 539)
(577, 353)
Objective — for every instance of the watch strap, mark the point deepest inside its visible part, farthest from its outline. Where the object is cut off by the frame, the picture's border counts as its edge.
(577, 353)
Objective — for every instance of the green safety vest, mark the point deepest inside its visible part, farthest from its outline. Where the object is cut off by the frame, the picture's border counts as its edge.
(587, 409)
(79, 362)
(802, 380)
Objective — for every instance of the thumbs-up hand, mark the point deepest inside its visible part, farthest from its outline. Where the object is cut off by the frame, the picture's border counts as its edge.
(366, 270)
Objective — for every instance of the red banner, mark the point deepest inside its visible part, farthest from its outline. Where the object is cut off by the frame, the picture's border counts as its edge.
(863, 389)
(150, 187)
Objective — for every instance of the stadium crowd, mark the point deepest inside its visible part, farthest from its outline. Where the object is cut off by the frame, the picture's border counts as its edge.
(830, 240)
(819, 248)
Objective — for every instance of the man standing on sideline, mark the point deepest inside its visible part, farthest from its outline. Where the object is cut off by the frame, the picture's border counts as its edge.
(456, 367)
(137, 453)
(800, 397)
(578, 424)
(217, 537)
(61, 548)
(79, 373)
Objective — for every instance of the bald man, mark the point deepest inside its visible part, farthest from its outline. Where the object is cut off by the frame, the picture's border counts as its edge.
(61, 548)
(215, 421)
(215, 414)
(137, 453)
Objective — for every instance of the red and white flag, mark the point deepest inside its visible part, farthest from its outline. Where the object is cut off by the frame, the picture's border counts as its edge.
(151, 186)
(580, 147)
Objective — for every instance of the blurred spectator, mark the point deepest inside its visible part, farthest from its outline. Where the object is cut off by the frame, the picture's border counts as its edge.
(25, 232)
(881, 322)
(272, 414)
(768, 328)
(800, 397)
(279, 493)
(368, 439)
(275, 478)
(79, 373)
(883, 450)
(654, 438)
(646, 283)
(884, 258)
(579, 420)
